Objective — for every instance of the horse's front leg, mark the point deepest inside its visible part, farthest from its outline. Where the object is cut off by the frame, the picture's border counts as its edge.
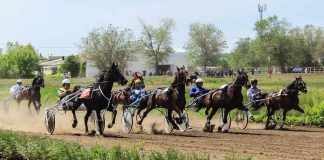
(29, 102)
(298, 108)
(144, 115)
(99, 121)
(208, 127)
(283, 119)
(113, 118)
(225, 114)
(86, 117)
(37, 106)
(270, 113)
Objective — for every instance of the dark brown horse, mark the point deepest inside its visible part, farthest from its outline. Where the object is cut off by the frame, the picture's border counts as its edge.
(172, 98)
(286, 99)
(32, 94)
(232, 99)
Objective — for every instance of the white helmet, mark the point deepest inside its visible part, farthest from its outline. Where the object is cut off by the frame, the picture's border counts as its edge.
(19, 81)
(66, 81)
(199, 80)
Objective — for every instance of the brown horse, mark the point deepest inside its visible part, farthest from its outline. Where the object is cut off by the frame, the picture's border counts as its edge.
(32, 94)
(232, 99)
(285, 99)
(172, 98)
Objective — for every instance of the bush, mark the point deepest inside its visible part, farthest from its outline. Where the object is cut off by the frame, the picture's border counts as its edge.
(71, 64)
(315, 115)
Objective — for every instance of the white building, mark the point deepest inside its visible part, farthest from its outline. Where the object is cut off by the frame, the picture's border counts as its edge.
(139, 64)
(52, 65)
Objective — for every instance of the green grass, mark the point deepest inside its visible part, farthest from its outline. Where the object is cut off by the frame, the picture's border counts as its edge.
(310, 102)
(21, 146)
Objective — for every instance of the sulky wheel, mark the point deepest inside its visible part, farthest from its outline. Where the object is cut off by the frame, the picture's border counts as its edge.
(49, 122)
(241, 119)
(226, 126)
(184, 122)
(168, 127)
(127, 120)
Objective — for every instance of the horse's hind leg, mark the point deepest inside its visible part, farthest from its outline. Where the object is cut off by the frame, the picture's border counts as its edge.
(29, 102)
(269, 113)
(113, 113)
(208, 127)
(144, 115)
(37, 106)
(75, 120)
(298, 108)
(86, 117)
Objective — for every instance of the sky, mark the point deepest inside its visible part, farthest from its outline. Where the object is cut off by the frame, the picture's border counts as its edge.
(57, 26)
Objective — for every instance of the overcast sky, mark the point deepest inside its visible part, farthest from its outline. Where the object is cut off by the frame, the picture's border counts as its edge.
(56, 26)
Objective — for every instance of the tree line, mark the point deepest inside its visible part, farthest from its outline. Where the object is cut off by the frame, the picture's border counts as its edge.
(275, 40)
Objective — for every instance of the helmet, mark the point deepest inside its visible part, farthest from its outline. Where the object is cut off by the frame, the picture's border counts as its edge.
(199, 80)
(253, 81)
(19, 81)
(66, 81)
(138, 81)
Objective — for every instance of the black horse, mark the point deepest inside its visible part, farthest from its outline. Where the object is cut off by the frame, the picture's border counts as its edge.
(285, 99)
(101, 96)
(32, 94)
(228, 98)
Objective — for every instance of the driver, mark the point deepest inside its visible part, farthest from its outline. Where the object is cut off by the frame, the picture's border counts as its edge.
(14, 90)
(138, 92)
(254, 94)
(65, 91)
(197, 91)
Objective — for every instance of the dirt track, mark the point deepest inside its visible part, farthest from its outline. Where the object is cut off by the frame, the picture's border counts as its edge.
(292, 143)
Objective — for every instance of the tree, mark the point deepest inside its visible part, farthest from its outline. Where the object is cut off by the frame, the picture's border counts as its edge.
(205, 43)
(71, 64)
(157, 41)
(23, 59)
(109, 44)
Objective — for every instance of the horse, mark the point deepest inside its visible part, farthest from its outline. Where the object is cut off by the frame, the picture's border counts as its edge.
(32, 94)
(101, 96)
(172, 98)
(286, 99)
(228, 98)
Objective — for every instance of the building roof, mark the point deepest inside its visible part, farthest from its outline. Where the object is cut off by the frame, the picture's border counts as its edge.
(55, 62)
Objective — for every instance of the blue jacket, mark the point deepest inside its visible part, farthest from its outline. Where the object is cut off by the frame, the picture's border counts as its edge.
(251, 93)
(194, 89)
(137, 93)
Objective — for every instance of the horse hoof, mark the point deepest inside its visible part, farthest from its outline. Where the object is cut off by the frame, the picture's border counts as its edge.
(74, 124)
(205, 129)
(110, 125)
(303, 124)
(224, 131)
(219, 128)
(211, 129)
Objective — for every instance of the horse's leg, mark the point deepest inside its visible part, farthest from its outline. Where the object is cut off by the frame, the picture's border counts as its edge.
(86, 117)
(270, 113)
(298, 108)
(208, 127)
(144, 115)
(207, 124)
(226, 112)
(99, 121)
(113, 113)
(29, 102)
(283, 118)
(37, 106)
(75, 120)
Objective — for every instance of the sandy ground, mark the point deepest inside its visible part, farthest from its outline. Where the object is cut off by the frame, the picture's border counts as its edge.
(290, 143)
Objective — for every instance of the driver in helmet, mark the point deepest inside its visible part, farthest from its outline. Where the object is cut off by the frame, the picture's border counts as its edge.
(65, 91)
(138, 92)
(254, 94)
(197, 91)
(15, 89)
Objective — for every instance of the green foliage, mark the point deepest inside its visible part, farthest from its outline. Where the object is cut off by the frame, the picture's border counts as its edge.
(32, 147)
(157, 41)
(284, 45)
(315, 114)
(19, 61)
(71, 64)
(109, 44)
(206, 42)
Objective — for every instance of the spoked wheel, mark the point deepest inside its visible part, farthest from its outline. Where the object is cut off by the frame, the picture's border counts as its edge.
(184, 122)
(241, 119)
(226, 126)
(49, 122)
(102, 114)
(127, 120)
(168, 127)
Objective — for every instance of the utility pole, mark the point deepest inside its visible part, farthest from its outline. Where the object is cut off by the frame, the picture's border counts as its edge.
(261, 9)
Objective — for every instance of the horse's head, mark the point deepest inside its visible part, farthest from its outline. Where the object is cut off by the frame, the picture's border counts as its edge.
(243, 79)
(115, 75)
(298, 84)
(39, 81)
(180, 77)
